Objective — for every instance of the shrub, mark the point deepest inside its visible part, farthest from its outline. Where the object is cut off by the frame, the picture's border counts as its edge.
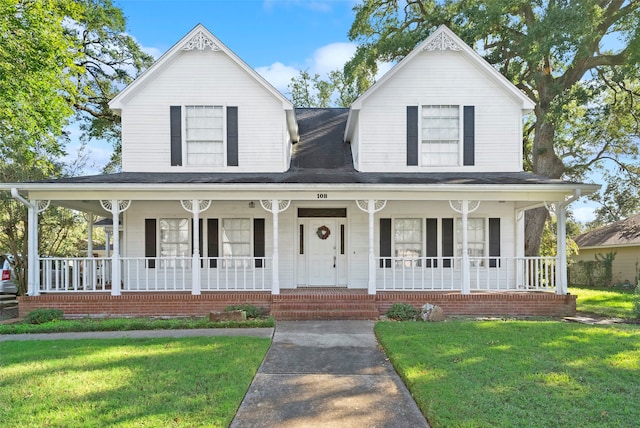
(402, 312)
(42, 315)
(251, 310)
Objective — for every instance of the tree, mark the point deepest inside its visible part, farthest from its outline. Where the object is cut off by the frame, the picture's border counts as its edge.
(619, 201)
(545, 47)
(59, 60)
(308, 91)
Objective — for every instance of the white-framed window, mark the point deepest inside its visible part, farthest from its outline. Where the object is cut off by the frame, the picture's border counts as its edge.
(174, 241)
(236, 241)
(204, 135)
(407, 241)
(476, 238)
(441, 142)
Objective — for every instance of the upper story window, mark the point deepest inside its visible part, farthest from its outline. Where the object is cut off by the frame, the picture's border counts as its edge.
(210, 136)
(440, 135)
(205, 141)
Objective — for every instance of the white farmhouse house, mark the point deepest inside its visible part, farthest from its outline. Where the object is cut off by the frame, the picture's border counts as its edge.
(230, 194)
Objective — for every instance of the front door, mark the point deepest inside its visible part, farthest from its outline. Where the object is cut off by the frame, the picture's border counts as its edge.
(321, 258)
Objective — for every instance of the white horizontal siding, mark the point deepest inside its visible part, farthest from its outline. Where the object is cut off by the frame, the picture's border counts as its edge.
(440, 78)
(291, 264)
(203, 78)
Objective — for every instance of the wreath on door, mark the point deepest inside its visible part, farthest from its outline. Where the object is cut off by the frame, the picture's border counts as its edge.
(323, 232)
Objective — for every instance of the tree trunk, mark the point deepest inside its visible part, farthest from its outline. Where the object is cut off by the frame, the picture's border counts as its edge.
(547, 164)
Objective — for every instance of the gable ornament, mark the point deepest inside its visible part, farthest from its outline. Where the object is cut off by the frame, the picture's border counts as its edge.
(442, 42)
(200, 41)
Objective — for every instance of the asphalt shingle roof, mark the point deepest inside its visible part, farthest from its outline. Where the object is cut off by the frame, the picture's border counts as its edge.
(623, 232)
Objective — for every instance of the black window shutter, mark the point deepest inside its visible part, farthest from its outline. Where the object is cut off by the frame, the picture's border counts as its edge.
(258, 240)
(150, 241)
(432, 242)
(469, 157)
(412, 135)
(175, 113)
(232, 136)
(212, 241)
(385, 241)
(447, 241)
(494, 242)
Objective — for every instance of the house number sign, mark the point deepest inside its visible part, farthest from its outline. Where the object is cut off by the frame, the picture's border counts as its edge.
(322, 196)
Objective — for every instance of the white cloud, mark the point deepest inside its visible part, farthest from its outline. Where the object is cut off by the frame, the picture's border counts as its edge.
(278, 74)
(584, 214)
(331, 57)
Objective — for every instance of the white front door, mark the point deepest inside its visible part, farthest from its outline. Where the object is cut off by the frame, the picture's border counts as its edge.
(321, 257)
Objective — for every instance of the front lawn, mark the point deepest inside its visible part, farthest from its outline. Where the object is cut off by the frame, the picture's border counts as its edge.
(609, 302)
(126, 324)
(518, 373)
(188, 382)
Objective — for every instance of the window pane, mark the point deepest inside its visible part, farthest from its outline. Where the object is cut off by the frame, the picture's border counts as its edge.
(236, 237)
(440, 135)
(204, 133)
(408, 237)
(174, 240)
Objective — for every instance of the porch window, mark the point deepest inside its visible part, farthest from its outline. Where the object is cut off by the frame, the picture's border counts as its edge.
(174, 241)
(476, 239)
(236, 241)
(440, 135)
(205, 142)
(407, 241)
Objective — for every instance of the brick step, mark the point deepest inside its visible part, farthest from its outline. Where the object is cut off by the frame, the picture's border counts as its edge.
(309, 306)
(324, 314)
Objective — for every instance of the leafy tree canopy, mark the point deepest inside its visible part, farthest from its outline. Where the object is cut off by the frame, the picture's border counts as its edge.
(578, 61)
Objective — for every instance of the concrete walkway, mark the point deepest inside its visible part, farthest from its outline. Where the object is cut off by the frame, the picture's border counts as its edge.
(327, 374)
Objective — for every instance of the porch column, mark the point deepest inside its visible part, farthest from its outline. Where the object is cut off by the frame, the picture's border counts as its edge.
(34, 208)
(561, 268)
(464, 208)
(371, 206)
(195, 207)
(466, 264)
(90, 235)
(275, 207)
(115, 207)
(33, 270)
(519, 247)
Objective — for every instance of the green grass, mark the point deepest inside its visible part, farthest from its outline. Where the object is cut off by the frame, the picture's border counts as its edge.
(610, 302)
(189, 382)
(122, 324)
(518, 373)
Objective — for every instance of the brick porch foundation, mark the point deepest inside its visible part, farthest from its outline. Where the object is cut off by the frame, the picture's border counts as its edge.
(301, 303)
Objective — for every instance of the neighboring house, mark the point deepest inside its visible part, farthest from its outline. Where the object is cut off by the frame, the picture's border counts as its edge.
(621, 238)
(229, 193)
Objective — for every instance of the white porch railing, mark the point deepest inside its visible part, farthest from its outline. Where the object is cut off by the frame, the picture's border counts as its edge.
(92, 274)
(88, 274)
(486, 273)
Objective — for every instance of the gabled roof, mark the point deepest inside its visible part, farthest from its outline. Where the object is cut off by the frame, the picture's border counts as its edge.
(201, 39)
(442, 39)
(618, 234)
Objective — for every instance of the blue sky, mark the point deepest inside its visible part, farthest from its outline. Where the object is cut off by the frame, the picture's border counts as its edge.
(275, 37)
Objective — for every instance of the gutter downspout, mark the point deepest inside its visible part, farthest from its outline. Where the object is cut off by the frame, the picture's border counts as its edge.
(561, 271)
(32, 243)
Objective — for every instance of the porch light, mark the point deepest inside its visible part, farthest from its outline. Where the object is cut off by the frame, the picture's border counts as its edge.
(252, 204)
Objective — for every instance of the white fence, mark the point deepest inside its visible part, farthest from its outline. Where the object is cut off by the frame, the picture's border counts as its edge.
(486, 273)
(254, 273)
(154, 274)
